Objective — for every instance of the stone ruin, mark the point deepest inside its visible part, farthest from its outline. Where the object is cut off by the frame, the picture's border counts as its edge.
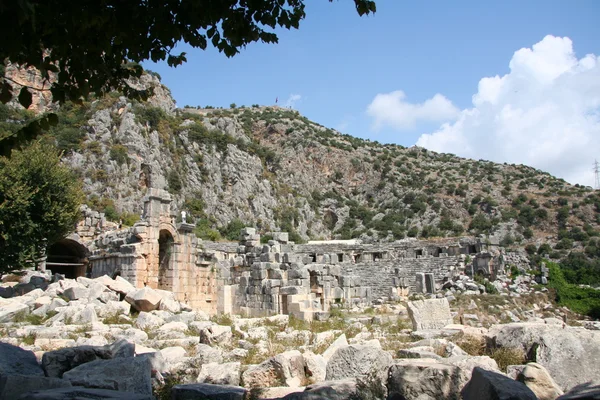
(254, 279)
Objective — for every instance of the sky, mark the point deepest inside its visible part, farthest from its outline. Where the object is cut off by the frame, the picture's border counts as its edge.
(507, 81)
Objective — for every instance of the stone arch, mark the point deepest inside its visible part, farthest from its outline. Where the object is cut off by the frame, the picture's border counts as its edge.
(166, 244)
(67, 257)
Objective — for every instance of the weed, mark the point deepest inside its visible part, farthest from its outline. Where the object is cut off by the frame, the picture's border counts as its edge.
(29, 339)
(112, 319)
(30, 319)
(506, 356)
(473, 345)
(163, 392)
(222, 319)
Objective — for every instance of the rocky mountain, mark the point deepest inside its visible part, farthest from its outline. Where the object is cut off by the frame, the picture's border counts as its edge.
(273, 168)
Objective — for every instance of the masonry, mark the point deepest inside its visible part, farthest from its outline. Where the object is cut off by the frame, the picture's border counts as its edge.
(254, 278)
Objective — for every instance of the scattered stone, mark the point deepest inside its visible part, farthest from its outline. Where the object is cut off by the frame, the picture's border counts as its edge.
(358, 361)
(145, 299)
(285, 369)
(423, 379)
(220, 374)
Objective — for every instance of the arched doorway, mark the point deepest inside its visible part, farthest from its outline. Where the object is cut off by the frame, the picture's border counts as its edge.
(165, 256)
(67, 257)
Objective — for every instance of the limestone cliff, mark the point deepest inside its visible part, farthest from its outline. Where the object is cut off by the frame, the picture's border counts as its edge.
(274, 169)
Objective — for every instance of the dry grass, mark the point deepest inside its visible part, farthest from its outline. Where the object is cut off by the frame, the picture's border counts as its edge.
(473, 345)
(508, 356)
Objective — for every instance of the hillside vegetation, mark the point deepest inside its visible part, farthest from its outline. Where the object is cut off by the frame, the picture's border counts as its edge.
(274, 169)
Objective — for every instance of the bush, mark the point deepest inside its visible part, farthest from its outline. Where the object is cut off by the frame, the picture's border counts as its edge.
(506, 356)
(233, 229)
(578, 299)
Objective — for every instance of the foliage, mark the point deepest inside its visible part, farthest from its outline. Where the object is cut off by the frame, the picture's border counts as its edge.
(505, 356)
(89, 47)
(232, 230)
(579, 299)
(39, 204)
(205, 231)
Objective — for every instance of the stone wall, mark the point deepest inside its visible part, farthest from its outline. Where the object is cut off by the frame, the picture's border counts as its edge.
(385, 277)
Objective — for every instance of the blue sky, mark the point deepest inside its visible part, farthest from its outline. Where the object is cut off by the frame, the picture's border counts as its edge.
(338, 62)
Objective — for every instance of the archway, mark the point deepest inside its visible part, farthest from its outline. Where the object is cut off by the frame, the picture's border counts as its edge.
(67, 257)
(165, 256)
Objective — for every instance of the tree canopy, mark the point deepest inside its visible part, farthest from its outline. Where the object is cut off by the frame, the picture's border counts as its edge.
(39, 204)
(88, 44)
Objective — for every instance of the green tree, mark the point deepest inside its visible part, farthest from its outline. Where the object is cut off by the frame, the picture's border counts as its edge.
(39, 204)
(95, 47)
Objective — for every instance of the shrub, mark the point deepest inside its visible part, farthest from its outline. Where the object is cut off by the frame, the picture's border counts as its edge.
(506, 356)
(232, 230)
(578, 299)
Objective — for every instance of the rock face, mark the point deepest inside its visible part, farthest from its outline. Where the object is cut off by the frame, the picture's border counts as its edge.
(130, 374)
(492, 385)
(561, 350)
(429, 314)
(358, 361)
(424, 380)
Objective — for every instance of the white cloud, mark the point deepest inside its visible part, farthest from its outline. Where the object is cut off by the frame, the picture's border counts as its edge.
(391, 109)
(292, 100)
(545, 113)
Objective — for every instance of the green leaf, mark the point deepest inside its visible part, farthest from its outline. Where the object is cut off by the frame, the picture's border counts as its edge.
(25, 97)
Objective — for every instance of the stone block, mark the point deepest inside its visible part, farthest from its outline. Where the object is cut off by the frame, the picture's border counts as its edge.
(429, 314)
(208, 392)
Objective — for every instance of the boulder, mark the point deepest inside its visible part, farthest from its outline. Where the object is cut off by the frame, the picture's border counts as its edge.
(466, 364)
(10, 310)
(206, 354)
(220, 374)
(148, 321)
(429, 314)
(537, 378)
(13, 386)
(332, 390)
(16, 361)
(341, 341)
(215, 334)
(561, 350)
(423, 379)
(316, 366)
(132, 374)
(77, 293)
(56, 363)
(145, 299)
(79, 393)
(586, 391)
(493, 385)
(358, 361)
(285, 369)
(207, 391)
